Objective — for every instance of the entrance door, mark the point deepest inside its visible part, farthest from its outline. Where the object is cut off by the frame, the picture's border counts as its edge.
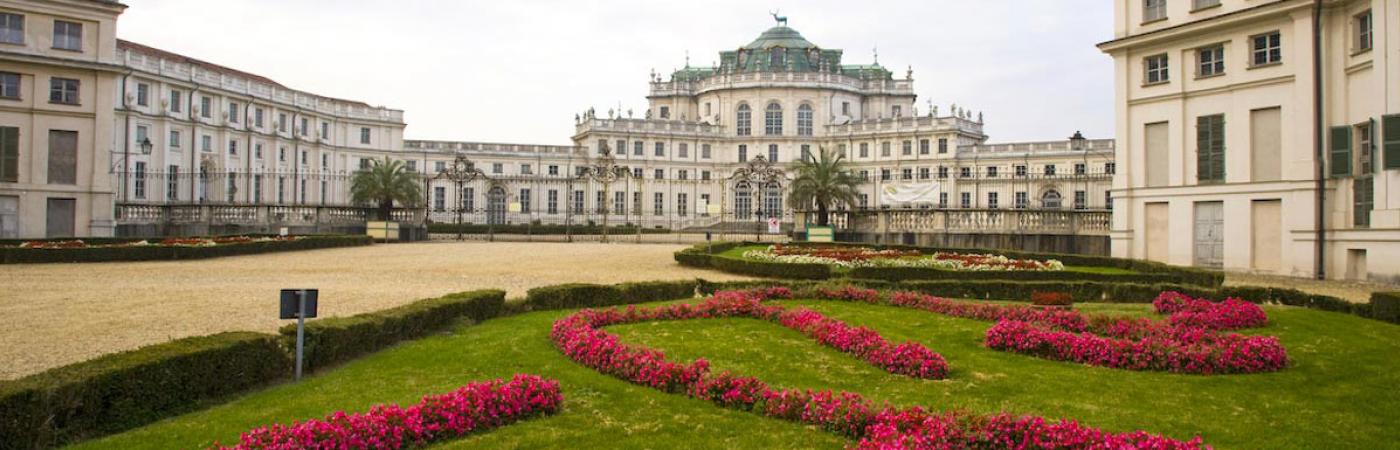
(60, 217)
(496, 206)
(9, 217)
(1210, 234)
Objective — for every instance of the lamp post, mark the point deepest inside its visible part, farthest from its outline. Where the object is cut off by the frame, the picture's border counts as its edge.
(460, 172)
(605, 170)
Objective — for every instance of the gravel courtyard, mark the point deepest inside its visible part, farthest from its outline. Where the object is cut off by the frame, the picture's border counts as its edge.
(57, 314)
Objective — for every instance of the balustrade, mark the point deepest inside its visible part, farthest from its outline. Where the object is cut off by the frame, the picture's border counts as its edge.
(1094, 222)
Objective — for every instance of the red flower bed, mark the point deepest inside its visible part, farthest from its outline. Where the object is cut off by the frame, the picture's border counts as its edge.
(476, 406)
(841, 253)
(1051, 299)
(1231, 314)
(851, 293)
(578, 336)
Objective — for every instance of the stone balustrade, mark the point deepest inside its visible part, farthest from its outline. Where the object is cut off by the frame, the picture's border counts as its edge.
(986, 221)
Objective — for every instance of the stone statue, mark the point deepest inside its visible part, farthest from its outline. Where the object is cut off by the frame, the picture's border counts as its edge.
(576, 119)
(610, 113)
(648, 117)
(935, 111)
(979, 116)
(629, 113)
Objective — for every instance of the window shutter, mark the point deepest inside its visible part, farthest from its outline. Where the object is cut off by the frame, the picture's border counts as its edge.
(1210, 148)
(1202, 148)
(1391, 133)
(9, 154)
(1341, 151)
(1217, 163)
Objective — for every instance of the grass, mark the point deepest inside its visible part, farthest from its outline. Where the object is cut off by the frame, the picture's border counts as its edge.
(738, 252)
(1339, 394)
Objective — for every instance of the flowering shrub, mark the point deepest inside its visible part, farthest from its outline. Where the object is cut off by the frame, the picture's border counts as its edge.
(850, 293)
(851, 257)
(1051, 299)
(476, 406)
(184, 242)
(846, 413)
(1231, 314)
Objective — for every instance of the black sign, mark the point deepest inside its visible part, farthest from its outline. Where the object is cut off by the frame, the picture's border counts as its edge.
(291, 303)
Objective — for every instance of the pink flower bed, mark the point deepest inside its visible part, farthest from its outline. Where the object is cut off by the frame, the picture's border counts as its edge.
(580, 338)
(1190, 340)
(476, 406)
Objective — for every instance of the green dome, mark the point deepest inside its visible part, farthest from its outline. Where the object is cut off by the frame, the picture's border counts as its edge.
(779, 36)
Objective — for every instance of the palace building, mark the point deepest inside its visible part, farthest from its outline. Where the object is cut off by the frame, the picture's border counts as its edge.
(1259, 136)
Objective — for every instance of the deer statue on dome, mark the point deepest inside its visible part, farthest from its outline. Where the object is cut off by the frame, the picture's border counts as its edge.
(782, 20)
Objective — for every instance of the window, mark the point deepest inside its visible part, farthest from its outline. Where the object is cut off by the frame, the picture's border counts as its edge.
(704, 151)
(923, 146)
(282, 156)
(325, 130)
(1267, 49)
(439, 198)
(11, 28)
(682, 174)
(896, 111)
(1154, 10)
(806, 152)
(965, 200)
(1080, 169)
(551, 199)
(637, 148)
(1365, 149)
(683, 150)
(964, 172)
(497, 168)
(553, 170)
(1109, 168)
(1020, 170)
(1210, 148)
(525, 201)
(991, 171)
(864, 149)
(324, 188)
(281, 190)
(1049, 170)
(992, 199)
(469, 198)
(67, 35)
(526, 169)
(660, 149)
(1050, 199)
(942, 146)
(659, 174)
(175, 103)
(841, 150)
(282, 122)
(743, 152)
(772, 152)
(1390, 132)
(620, 203)
(204, 106)
(804, 120)
(233, 112)
(621, 148)
(9, 154)
(364, 135)
(1155, 69)
(206, 143)
(305, 126)
(63, 91)
(258, 118)
(1021, 200)
(175, 139)
(63, 157)
(885, 149)
(325, 158)
(743, 121)
(846, 108)
(578, 201)
(707, 109)
(172, 183)
(232, 147)
(884, 174)
(923, 173)
(1081, 200)
(942, 199)
(143, 94)
(143, 134)
(304, 153)
(906, 174)
(637, 173)
(231, 187)
(659, 204)
(682, 201)
(1364, 31)
(942, 172)
(864, 175)
(1197, 5)
(907, 149)
(1108, 200)
(773, 120)
(1210, 61)
(705, 175)
(665, 112)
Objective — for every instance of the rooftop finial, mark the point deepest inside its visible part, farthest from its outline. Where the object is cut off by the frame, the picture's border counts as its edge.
(876, 50)
(781, 20)
(687, 59)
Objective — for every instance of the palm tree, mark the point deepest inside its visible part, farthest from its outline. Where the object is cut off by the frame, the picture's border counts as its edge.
(384, 183)
(822, 180)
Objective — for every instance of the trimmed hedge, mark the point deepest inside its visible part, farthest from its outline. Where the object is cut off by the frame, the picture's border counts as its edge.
(338, 339)
(468, 228)
(585, 295)
(1386, 306)
(15, 255)
(924, 273)
(126, 390)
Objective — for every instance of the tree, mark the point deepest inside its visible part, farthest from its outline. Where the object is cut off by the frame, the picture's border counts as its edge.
(823, 180)
(384, 183)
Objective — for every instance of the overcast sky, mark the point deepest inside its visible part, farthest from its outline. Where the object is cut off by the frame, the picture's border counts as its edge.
(517, 71)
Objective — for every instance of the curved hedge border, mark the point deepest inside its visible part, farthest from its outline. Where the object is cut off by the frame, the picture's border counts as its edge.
(469, 228)
(125, 390)
(710, 256)
(15, 255)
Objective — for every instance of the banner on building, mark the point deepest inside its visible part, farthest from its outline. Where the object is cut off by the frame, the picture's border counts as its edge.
(898, 193)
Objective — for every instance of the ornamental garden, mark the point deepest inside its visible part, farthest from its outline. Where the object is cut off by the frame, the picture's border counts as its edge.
(829, 346)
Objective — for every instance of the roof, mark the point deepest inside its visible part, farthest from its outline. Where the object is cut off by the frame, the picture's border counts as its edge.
(162, 54)
(780, 36)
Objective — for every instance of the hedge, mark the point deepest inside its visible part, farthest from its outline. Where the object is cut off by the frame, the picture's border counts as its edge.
(16, 255)
(1386, 306)
(338, 339)
(585, 295)
(126, 390)
(468, 228)
(925, 273)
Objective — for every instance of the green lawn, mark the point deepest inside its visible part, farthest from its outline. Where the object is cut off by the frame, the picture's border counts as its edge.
(1341, 393)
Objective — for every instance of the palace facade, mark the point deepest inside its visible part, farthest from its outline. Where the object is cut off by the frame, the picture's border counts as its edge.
(1259, 136)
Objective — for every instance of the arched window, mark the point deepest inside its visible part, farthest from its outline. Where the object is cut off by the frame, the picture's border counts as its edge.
(1050, 199)
(743, 201)
(773, 120)
(742, 123)
(773, 201)
(804, 120)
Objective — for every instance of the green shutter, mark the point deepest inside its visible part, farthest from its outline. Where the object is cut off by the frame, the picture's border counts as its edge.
(1391, 133)
(1210, 148)
(1341, 151)
(9, 154)
(1217, 132)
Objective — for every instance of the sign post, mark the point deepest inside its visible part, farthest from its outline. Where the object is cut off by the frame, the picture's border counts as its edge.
(299, 304)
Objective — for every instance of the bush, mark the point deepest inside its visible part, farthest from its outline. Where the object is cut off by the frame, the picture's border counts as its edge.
(1385, 306)
(585, 295)
(15, 255)
(1039, 298)
(771, 269)
(333, 340)
(126, 390)
(650, 291)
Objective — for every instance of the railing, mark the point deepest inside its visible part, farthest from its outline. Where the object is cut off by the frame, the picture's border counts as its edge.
(270, 215)
(910, 123)
(749, 79)
(984, 221)
(666, 125)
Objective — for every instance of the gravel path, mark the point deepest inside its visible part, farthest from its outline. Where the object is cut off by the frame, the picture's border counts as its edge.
(57, 314)
(1353, 291)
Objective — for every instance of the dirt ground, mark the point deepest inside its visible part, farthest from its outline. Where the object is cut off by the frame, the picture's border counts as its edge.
(57, 314)
(1348, 290)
